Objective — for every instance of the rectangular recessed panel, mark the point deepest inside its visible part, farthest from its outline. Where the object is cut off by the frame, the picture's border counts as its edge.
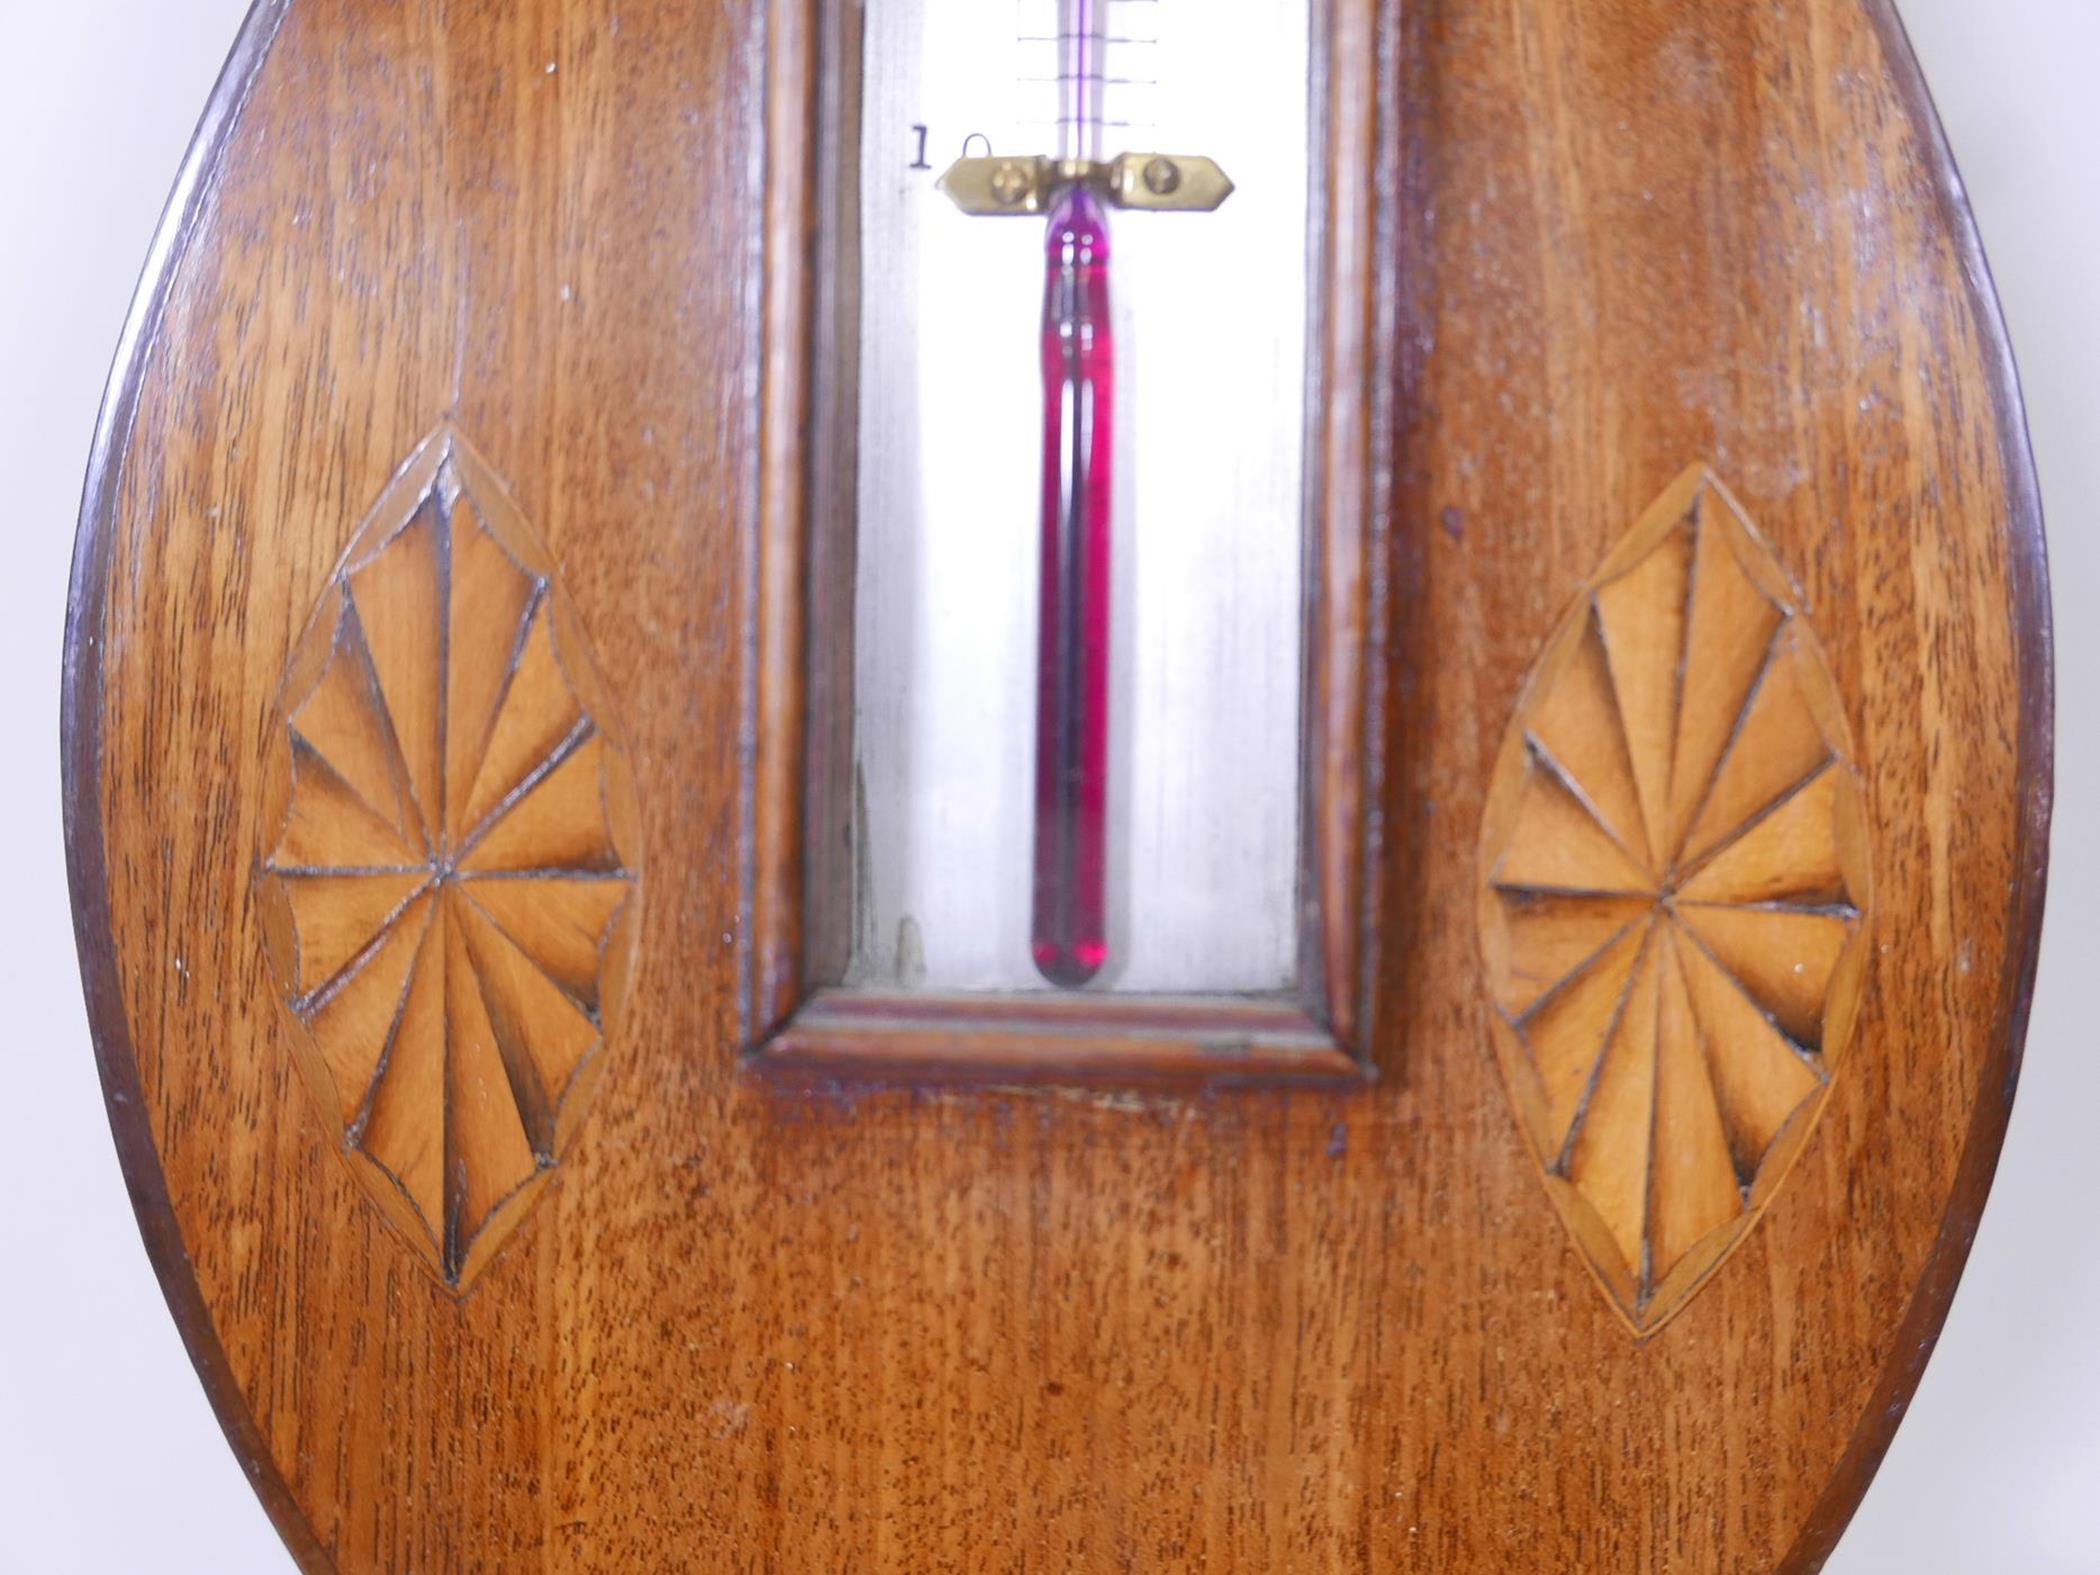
(1210, 321)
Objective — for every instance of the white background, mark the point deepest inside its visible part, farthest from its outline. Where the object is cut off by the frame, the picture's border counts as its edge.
(110, 1462)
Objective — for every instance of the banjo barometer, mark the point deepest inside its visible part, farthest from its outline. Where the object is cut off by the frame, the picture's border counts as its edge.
(1060, 784)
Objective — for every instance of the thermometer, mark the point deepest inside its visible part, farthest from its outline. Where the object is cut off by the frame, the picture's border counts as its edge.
(1068, 935)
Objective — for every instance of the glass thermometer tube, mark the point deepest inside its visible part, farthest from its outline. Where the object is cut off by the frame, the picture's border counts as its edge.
(1069, 934)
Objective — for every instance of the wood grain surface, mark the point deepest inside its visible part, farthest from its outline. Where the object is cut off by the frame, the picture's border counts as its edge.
(754, 1326)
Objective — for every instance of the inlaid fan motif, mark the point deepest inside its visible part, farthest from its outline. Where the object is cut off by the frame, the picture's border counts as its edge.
(448, 890)
(1674, 897)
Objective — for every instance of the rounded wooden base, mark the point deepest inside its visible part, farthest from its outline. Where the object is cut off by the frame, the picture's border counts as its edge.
(749, 1322)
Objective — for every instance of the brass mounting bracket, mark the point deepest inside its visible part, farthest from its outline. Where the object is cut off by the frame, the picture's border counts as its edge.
(1159, 182)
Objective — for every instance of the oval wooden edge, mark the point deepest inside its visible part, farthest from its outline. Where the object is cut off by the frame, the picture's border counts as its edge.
(80, 766)
(2034, 649)
(80, 744)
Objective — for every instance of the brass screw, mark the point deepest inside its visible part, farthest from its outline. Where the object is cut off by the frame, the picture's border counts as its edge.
(1009, 183)
(1162, 177)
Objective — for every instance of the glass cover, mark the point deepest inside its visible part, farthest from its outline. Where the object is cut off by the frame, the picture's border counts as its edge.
(1080, 585)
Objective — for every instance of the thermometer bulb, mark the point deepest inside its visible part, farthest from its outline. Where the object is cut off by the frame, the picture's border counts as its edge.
(1069, 938)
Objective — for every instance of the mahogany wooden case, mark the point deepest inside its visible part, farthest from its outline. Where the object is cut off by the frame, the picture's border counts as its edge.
(454, 719)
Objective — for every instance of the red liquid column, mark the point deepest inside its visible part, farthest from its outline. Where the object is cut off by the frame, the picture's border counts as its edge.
(1069, 935)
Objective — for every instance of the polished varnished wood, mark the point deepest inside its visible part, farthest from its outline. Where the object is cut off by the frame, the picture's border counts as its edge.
(1675, 885)
(759, 1325)
(446, 900)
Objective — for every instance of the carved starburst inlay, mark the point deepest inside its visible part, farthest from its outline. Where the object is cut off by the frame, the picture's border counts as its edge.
(448, 891)
(1674, 888)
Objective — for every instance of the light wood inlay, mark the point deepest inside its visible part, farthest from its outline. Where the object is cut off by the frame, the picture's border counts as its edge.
(1673, 898)
(449, 903)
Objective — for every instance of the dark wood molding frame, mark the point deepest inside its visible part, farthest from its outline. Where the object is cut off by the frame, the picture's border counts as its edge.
(1001, 1039)
(798, 1021)
(2035, 644)
(80, 757)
